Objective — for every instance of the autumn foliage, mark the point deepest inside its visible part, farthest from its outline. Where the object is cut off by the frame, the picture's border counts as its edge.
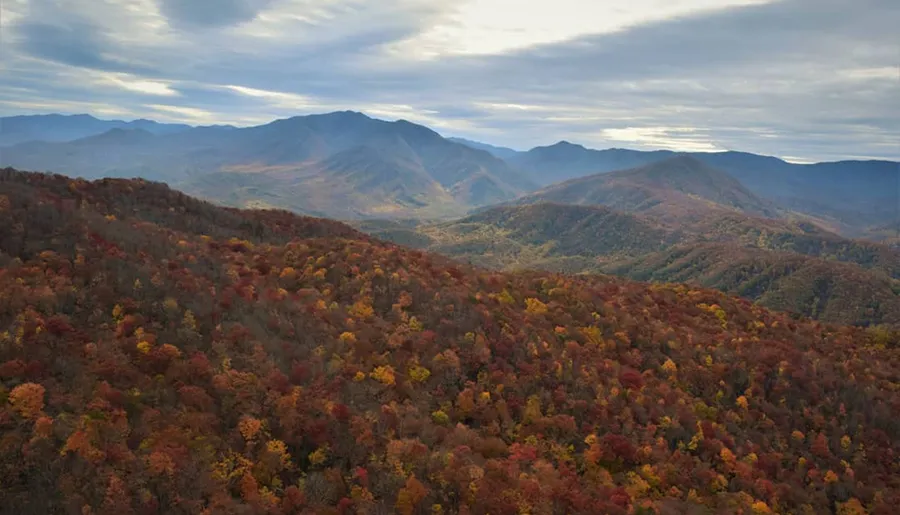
(162, 355)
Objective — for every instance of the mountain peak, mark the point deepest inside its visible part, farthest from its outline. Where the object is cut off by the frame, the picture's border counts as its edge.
(348, 114)
(335, 116)
(566, 144)
(560, 150)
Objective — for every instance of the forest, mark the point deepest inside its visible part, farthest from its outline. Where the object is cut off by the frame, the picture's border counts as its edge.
(159, 354)
(783, 264)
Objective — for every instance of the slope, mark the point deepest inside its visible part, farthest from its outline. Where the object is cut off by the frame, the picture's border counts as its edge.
(793, 260)
(784, 281)
(554, 236)
(243, 362)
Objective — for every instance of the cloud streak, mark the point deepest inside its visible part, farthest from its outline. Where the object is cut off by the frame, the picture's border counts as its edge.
(808, 79)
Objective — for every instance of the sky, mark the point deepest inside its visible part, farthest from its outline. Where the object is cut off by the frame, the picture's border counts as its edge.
(806, 80)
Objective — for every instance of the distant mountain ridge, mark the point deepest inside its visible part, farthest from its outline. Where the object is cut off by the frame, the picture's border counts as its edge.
(851, 196)
(296, 163)
(342, 165)
(57, 127)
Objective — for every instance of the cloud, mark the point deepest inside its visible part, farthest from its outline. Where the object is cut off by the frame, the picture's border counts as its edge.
(136, 85)
(813, 79)
(496, 26)
(76, 44)
(211, 13)
(673, 138)
(189, 115)
(275, 98)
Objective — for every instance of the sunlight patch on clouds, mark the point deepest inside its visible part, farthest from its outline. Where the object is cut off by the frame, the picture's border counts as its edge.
(497, 26)
(397, 111)
(798, 160)
(490, 106)
(276, 104)
(135, 85)
(277, 99)
(672, 138)
(196, 116)
(190, 115)
(11, 11)
(866, 74)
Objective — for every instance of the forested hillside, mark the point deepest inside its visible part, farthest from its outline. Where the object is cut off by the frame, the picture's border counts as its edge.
(784, 281)
(782, 264)
(162, 355)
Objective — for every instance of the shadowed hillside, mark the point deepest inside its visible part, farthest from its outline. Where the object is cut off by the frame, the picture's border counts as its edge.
(676, 190)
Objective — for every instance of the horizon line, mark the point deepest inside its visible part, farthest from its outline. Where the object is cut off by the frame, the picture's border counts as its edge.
(786, 159)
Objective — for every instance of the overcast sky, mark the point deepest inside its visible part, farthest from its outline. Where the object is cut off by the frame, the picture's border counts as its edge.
(800, 79)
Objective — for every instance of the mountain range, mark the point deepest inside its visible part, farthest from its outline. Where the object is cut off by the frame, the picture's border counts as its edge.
(562, 330)
(848, 195)
(774, 232)
(57, 127)
(343, 165)
(347, 165)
